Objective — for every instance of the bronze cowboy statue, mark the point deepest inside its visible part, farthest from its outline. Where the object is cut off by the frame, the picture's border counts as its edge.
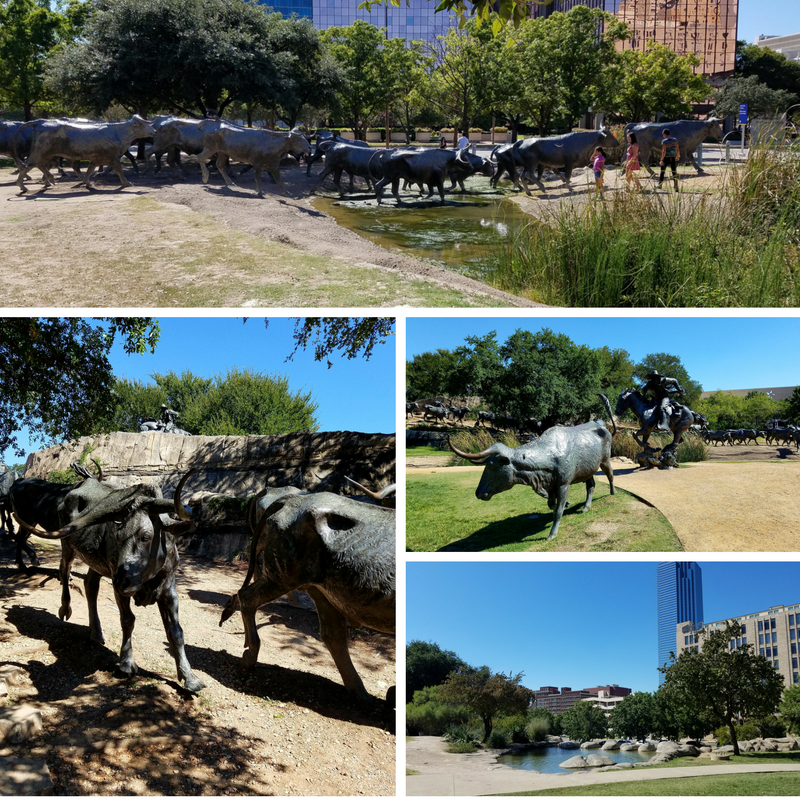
(657, 410)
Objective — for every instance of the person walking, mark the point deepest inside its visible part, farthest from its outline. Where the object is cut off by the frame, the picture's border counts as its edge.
(599, 167)
(632, 164)
(670, 153)
(463, 142)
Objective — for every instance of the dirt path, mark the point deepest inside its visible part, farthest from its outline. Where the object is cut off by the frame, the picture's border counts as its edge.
(168, 242)
(289, 729)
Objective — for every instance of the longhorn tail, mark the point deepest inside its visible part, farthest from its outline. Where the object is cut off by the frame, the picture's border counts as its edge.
(608, 408)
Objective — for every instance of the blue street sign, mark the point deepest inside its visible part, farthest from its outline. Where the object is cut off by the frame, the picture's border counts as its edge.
(743, 113)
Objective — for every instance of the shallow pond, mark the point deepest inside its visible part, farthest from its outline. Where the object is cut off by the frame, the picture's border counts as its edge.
(547, 759)
(464, 235)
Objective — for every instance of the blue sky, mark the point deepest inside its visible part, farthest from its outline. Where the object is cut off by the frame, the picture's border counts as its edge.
(577, 624)
(719, 353)
(355, 394)
(769, 17)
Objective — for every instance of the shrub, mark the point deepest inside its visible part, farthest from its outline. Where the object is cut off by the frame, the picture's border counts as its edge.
(744, 732)
(513, 728)
(497, 740)
(771, 727)
(477, 440)
(538, 729)
(500, 129)
(461, 747)
(692, 448)
(427, 716)
(460, 734)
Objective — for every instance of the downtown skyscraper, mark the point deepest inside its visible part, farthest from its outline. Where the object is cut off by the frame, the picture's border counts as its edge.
(679, 586)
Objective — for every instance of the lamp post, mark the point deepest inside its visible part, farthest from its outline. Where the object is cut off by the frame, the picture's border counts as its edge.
(386, 121)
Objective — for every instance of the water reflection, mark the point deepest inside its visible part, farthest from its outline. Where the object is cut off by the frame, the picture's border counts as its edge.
(462, 235)
(547, 759)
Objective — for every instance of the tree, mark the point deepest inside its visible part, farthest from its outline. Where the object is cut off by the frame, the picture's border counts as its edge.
(192, 55)
(723, 681)
(360, 51)
(486, 694)
(634, 717)
(29, 32)
(584, 721)
(239, 403)
(672, 721)
(430, 374)
(793, 405)
(583, 57)
(354, 337)
(773, 69)
(410, 66)
(761, 100)
(616, 370)
(56, 375)
(655, 81)
(464, 81)
(790, 707)
(546, 376)
(313, 77)
(428, 665)
(477, 366)
(672, 367)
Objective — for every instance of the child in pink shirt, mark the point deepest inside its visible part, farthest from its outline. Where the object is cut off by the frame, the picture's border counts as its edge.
(599, 166)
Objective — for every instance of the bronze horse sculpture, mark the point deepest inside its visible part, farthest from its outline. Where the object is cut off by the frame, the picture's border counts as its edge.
(679, 417)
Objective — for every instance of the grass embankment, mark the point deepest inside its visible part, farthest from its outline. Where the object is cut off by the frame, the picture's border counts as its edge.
(443, 514)
(737, 248)
(120, 250)
(750, 785)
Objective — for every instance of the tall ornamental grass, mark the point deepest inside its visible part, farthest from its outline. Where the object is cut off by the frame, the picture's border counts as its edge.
(738, 248)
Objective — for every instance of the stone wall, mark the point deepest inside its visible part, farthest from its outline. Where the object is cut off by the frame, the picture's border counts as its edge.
(232, 465)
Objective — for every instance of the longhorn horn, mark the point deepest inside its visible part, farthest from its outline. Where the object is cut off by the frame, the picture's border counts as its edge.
(99, 470)
(180, 511)
(40, 532)
(476, 458)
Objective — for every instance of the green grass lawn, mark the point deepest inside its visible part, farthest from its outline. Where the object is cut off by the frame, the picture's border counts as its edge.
(426, 450)
(755, 784)
(443, 514)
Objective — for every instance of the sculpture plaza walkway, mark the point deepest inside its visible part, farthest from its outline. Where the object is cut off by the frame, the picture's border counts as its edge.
(446, 775)
(730, 506)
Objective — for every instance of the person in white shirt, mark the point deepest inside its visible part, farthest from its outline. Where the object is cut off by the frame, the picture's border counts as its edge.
(463, 142)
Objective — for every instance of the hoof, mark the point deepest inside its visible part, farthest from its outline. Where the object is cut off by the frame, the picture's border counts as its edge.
(128, 669)
(194, 685)
(64, 613)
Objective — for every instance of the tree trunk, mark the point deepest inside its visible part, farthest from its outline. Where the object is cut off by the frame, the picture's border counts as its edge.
(734, 740)
(487, 728)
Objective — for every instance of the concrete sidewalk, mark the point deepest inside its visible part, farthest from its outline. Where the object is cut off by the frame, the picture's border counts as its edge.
(507, 779)
(444, 774)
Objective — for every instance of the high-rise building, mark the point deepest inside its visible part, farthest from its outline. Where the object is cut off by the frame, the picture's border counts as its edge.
(413, 20)
(679, 586)
(704, 27)
(557, 702)
(775, 633)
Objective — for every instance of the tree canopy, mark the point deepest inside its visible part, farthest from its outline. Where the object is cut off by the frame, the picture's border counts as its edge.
(486, 694)
(428, 665)
(634, 717)
(671, 366)
(584, 721)
(56, 376)
(238, 403)
(723, 680)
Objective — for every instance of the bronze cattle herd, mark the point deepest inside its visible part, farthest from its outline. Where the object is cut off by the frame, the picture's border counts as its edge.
(41, 143)
(340, 550)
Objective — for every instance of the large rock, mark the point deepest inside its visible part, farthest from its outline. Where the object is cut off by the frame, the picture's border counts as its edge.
(628, 747)
(612, 744)
(568, 744)
(592, 744)
(647, 747)
(19, 723)
(596, 760)
(676, 749)
(576, 762)
(233, 465)
(24, 776)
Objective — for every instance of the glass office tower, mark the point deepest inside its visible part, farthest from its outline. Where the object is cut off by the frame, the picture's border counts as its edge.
(680, 599)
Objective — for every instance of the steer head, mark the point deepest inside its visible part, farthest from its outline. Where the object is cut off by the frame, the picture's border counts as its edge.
(607, 138)
(499, 473)
(298, 142)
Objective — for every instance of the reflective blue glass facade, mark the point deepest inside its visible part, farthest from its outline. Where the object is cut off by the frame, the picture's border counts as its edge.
(679, 586)
(303, 8)
(415, 20)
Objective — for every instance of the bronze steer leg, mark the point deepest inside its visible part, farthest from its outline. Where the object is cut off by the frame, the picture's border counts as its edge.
(333, 629)
(168, 606)
(251, 598)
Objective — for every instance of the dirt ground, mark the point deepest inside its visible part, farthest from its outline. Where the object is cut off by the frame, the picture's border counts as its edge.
(166, 241)
(289, 729)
